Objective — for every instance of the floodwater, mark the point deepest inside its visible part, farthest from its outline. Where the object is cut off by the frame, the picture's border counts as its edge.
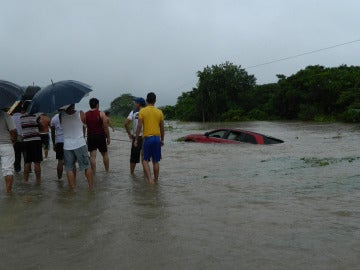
(288, 206)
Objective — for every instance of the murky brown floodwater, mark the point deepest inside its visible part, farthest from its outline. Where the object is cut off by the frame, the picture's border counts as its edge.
(288, 206)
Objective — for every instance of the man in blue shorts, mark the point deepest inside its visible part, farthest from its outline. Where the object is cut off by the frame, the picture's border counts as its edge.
(151, 122)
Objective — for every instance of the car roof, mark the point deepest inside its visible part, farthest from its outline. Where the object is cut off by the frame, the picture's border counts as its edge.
(237, 130)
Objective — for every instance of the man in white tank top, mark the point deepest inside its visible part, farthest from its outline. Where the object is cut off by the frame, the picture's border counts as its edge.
(75, 148)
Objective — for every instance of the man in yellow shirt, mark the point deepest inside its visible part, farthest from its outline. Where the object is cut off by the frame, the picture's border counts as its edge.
(151, 121)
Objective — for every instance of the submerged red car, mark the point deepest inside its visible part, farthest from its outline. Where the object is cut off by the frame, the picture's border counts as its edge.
(236, 136)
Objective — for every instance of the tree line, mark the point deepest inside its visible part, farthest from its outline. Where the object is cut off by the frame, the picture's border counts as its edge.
(226, 92)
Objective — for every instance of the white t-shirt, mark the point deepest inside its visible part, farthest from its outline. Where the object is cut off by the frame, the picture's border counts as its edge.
(17, 121)
(73, 131)
(134, 117)
(59, 133)
(6, 124)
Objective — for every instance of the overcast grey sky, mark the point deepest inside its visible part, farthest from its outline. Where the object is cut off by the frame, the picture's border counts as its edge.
(141, 45)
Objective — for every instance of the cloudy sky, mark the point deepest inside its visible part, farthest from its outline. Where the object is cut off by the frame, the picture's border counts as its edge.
(140, 45)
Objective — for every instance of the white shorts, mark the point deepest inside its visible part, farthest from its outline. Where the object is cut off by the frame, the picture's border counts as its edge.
(7, 156)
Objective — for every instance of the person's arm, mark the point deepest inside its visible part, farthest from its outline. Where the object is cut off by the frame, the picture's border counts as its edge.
(162, 132)
(83, 119)
(12, 128)
(105, 126)
(13, 135)
(138, 130)
(127, 128)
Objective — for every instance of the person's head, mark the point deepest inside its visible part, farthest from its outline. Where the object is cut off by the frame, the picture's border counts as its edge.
(139, 102)
(70, 109)
(151, 98)
(94, 103)
(107, 113)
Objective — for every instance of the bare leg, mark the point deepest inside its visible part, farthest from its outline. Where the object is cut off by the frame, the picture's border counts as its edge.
(147, 171)
(106, 160)
(60, 168)
(27, 168)
(46, 153)
(132, 167)
(37, 169)
(8, 182)
(89, 177)
(93, 161)
(156, 167)
(71, 179)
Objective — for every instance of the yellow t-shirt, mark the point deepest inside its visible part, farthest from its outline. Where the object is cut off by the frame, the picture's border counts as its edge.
(151, 118)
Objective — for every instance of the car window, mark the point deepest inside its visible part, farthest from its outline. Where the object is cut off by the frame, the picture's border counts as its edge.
(249, 139)
(234, 136)
(241, 137)
(217, 134)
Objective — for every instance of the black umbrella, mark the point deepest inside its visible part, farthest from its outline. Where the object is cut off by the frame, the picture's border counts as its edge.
(57, 95)
(30, 92)
(9, 93)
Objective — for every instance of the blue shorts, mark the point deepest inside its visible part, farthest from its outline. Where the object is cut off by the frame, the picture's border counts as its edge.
(152, 149)
(80, 155)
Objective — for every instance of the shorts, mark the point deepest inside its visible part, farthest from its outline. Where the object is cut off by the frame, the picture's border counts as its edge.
(59, 150)
(136, 151)
(79, 155)
(7, 157)
(97, 142)
(152, 149)
(45, 140)
(33, 151)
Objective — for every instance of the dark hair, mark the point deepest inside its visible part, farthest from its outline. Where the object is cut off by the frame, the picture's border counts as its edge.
(107, 113)
(151, 98)
(70, 108)
(93, 102)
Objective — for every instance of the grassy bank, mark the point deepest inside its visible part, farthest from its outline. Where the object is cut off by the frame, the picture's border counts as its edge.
(118, 121)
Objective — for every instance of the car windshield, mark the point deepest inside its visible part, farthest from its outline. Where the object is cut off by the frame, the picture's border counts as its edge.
(217, 134)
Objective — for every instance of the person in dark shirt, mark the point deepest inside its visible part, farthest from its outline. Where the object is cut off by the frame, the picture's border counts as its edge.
(32, 144)
(98, 136)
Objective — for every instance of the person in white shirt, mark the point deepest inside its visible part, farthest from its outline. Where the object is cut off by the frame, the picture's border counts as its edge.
(75, 148)
(8, 135)
(57, 137)
(134, 118)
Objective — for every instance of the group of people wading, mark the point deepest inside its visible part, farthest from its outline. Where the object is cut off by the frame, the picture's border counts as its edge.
(76, 138)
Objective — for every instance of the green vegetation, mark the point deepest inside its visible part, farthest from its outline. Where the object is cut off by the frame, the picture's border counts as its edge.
(121, 106)
(226, 92)
(117, 121)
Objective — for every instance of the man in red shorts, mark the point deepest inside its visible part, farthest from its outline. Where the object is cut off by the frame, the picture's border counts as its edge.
(98, 136)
